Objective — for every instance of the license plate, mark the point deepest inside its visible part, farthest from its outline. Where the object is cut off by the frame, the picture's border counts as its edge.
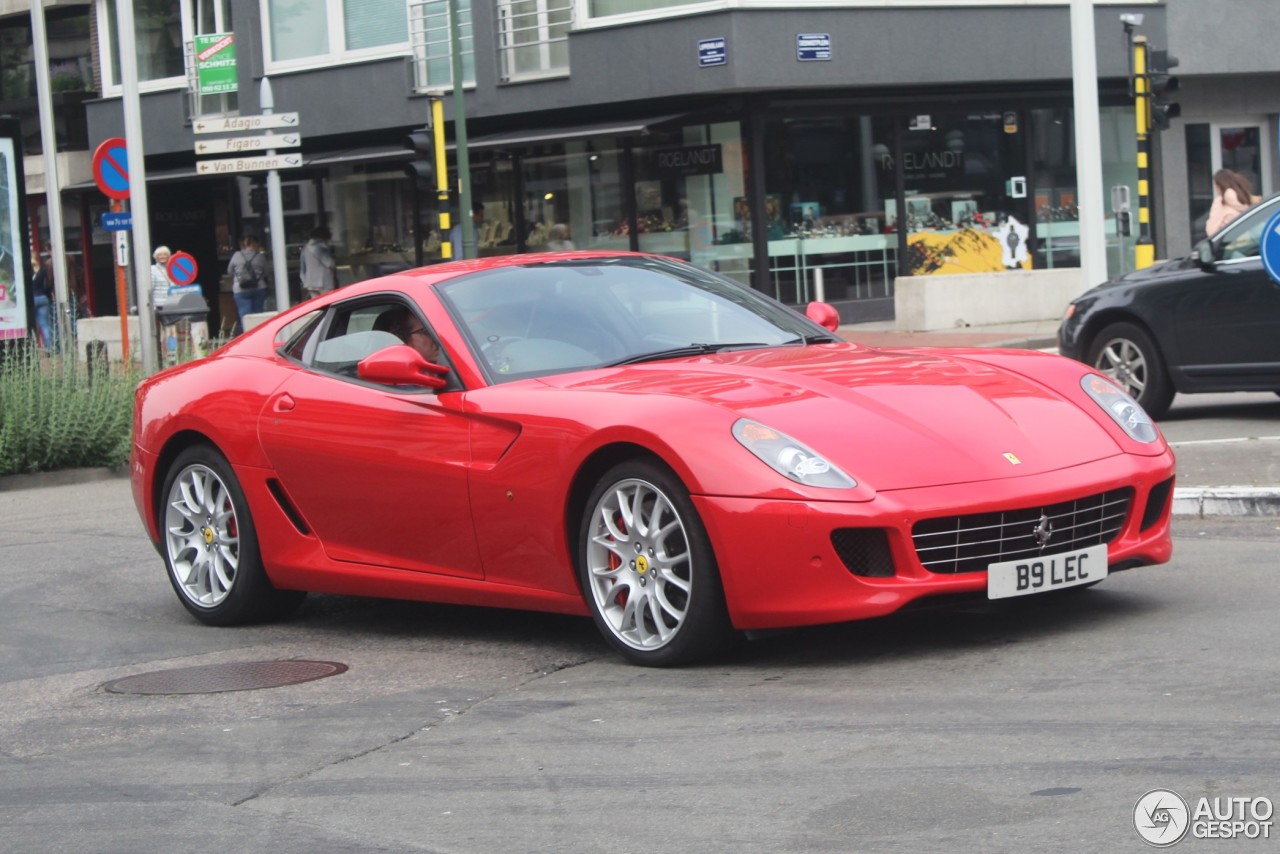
(1046, 572)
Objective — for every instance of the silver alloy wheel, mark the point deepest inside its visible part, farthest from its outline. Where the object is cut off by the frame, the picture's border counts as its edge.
(1124, 362)
(639, 565)
(202, 536)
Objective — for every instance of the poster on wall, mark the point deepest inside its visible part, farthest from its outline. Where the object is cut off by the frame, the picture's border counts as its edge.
(13, 296)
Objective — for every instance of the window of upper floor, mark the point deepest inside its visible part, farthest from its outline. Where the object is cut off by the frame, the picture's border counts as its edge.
(429, 44)
(315, 33)
(70, 54)
(164, 32)
(533, 38)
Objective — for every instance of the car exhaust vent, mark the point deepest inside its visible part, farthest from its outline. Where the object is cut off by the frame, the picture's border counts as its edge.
(286, 506)
(956, 544)
(864, 551)
(1157, 501)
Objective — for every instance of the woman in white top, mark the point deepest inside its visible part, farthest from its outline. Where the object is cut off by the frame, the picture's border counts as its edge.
(160, 281)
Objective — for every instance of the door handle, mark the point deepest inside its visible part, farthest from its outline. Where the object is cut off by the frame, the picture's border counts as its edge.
(284, 403)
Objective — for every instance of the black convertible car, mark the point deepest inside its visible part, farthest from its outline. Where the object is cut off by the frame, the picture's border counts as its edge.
(1207, 322)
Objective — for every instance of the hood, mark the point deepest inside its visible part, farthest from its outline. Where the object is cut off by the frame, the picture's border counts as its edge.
(891, 419)
(1154, 273)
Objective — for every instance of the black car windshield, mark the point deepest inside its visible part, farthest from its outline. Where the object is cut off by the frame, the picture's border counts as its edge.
(556, 316)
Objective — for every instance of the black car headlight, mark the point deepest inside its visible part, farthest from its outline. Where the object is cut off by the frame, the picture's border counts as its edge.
(1122, 408)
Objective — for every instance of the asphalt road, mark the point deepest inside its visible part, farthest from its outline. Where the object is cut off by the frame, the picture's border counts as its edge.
(1031, 725)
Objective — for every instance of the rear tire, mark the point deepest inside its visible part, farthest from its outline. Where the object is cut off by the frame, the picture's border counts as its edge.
(210, 544)
(647, 569)
(1126, 353)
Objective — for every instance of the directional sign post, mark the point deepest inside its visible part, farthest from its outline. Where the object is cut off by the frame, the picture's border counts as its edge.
(239, 144)
(239, 124)
(248, 164)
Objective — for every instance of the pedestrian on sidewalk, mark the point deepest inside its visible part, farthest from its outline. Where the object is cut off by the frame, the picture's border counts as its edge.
(42, 292)
(248, 271)
(316, 265)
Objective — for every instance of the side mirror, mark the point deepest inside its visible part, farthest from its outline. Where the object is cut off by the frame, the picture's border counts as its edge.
(823, 314)
(1205, 256)
(400, 364)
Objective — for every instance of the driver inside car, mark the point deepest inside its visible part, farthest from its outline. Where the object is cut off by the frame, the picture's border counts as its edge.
(406, 326)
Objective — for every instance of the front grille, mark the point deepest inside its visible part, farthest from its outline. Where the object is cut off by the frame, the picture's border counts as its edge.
(956, 544)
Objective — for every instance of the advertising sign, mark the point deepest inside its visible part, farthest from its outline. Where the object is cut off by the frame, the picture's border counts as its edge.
(13, 296)
(215, 63)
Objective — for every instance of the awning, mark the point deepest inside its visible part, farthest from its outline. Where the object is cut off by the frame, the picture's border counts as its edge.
(372, 153)
(365, 154)
(531, 136)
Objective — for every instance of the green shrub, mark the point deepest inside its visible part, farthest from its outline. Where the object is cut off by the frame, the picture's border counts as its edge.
(55, 415)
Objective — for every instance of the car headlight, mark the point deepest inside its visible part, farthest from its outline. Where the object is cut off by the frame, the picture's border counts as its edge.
(789, 458)
(1122, 408)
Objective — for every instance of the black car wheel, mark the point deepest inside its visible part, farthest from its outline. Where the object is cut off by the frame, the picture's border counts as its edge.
(647, 569)
(210, 545)
(1126, 353)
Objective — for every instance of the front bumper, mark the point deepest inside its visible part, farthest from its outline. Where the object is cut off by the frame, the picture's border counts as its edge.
(780, 569)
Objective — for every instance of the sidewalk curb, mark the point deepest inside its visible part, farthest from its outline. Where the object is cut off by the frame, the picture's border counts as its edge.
(1226, 501)
(62, 477)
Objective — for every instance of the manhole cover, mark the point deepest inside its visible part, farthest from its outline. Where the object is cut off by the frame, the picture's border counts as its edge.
(215, 678)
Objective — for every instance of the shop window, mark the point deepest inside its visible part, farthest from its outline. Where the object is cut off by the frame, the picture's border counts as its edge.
(302, 31)
(690, 187)
(534, 37)
(430, 44)
(1054, 192)
(1199, 178)
(829, 208)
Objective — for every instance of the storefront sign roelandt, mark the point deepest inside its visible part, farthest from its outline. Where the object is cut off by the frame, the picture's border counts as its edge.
(682, 160)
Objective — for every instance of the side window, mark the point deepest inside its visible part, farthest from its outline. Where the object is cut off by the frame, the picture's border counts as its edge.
(356, 331)
(1243, 238)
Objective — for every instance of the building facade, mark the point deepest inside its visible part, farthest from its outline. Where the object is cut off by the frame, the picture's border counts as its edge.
(814, 148)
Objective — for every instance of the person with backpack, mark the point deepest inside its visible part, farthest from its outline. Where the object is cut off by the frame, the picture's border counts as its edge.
(248, 270)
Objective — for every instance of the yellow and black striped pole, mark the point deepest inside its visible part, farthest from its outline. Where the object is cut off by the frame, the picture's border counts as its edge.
(447, 249)
(1145, 250)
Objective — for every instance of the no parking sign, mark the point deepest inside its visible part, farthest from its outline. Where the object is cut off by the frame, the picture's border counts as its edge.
(111, 168)
(182, 269)
(1271, 248)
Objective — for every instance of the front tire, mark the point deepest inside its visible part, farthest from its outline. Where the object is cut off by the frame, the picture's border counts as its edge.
(1126, 353)
(210, 544)
(647, 568)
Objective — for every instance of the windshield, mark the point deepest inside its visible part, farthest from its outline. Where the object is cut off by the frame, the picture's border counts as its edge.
(551, 317)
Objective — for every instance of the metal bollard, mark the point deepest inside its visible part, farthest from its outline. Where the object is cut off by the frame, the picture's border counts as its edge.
(96, 359)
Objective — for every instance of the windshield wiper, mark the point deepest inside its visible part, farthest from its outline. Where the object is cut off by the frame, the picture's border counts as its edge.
(686, 350)
(815, 339)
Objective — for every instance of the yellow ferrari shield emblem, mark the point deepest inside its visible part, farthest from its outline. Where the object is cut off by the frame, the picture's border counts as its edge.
(642, 564)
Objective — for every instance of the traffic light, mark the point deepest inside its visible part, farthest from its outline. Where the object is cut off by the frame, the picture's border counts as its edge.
(422, 168)
(1161, 83)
